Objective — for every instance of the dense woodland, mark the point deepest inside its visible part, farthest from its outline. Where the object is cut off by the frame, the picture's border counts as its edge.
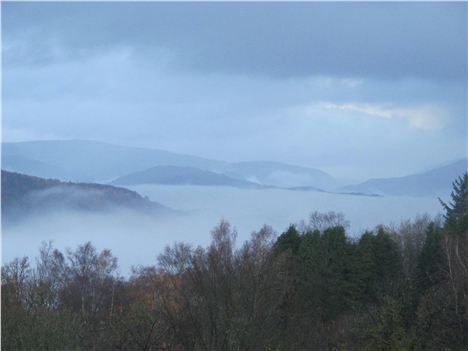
(401, 287)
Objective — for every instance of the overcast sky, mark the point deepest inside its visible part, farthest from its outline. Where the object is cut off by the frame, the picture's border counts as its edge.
(357, 89)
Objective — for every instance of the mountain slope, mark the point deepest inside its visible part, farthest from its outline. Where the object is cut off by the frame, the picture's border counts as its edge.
(89, 161)
(173, 175)
(281, 174)
(437, 181)
(23, 195)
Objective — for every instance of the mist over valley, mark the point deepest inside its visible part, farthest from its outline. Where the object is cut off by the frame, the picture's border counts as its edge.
(176, 201)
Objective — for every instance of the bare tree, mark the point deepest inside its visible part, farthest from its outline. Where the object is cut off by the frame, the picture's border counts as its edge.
(223, 297)
(410, 236)
(324, 220)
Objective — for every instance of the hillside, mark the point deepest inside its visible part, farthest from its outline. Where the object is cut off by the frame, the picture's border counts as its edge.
(281, 174)
(89, 161)
(24, 195)
(435, 182)
(173, 175)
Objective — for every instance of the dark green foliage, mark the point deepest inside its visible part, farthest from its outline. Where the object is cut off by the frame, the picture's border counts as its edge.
(436, 326)
(442, 313)
(324, 273)
(379, 263)
(288, 241)
(431, 260)
(456, 213)
(388, 333)
(336, 280)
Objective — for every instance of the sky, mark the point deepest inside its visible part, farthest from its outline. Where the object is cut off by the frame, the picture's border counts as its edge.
(359, 90)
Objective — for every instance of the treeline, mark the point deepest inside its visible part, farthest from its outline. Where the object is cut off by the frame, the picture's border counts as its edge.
(311, 288)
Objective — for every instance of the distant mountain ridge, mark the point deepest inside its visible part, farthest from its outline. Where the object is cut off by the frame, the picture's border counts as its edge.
(24, 195)
(437, 181)
(174, 175)
(91, 161)
(281, 174)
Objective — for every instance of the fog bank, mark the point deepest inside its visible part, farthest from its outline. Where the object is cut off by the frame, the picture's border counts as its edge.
(138, 238)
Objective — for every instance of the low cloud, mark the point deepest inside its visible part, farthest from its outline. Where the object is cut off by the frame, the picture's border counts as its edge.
(422, 117)
(123, 231)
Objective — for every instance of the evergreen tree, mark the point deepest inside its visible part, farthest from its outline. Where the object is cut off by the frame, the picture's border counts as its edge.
(389, 334)
(431, 260)
(288, 241)
(456, 212)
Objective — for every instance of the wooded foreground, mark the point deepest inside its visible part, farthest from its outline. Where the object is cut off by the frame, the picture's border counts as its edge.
(311, 288)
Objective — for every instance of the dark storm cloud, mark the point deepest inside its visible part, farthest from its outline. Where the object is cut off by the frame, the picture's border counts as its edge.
(375, 40)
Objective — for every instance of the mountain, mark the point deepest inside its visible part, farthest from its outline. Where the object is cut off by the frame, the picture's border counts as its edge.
(90, 161)
(24, 195)
(174, 175)
(281, 174)
(435, 182)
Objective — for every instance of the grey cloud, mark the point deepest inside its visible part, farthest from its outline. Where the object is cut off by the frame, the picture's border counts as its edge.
(378, 40)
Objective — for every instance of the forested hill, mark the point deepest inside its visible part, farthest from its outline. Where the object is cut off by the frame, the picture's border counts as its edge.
(24, 195)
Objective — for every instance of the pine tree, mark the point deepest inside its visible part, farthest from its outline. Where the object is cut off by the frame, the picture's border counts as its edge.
(456, 212)
(455, 247)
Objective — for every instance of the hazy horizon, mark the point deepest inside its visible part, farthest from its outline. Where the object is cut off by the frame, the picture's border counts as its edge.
(344, 179)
